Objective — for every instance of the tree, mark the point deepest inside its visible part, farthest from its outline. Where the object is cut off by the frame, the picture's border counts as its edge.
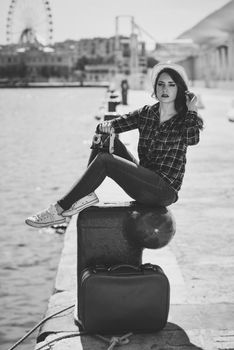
(81, 62)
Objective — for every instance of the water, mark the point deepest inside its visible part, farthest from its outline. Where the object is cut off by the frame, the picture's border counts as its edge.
(44, 146)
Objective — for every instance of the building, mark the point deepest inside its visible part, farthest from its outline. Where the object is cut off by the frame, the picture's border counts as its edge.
(130, 61)
(96, 47)
(91, 60)
(114, 59)
(213, 63)
(104, 73)
(175, 50)
(34, 63)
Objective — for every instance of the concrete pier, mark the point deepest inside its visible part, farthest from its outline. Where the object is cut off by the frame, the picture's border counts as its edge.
(199, 261)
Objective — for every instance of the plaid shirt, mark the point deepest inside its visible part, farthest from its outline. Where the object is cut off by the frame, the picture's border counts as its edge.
(162, 147)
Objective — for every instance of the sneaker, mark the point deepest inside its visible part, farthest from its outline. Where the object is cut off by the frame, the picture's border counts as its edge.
(45, 218)
(81, 204)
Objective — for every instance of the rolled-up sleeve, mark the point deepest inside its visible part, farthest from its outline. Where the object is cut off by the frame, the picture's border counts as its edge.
(191, 132)
(126, 122)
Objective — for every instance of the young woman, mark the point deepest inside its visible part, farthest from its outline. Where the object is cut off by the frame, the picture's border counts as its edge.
(165, 130)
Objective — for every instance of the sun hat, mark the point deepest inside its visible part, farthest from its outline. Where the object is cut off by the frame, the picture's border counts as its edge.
(160, 66)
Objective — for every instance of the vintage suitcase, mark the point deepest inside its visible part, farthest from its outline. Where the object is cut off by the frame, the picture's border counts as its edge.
(123, 298)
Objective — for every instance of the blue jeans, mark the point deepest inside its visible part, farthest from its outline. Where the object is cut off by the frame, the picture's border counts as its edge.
(141, 184)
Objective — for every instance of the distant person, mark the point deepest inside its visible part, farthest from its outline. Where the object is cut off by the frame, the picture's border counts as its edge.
(124, 91)
(166, 129)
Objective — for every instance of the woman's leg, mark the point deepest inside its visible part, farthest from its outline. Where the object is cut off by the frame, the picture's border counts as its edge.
(119, 149)
(138, 182)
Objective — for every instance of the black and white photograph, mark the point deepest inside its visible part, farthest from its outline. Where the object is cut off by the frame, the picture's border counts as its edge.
(117, 174)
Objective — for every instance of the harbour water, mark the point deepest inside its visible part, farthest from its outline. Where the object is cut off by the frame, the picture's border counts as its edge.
(44, 145)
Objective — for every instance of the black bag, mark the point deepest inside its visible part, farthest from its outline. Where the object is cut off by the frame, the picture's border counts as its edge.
(123, 298)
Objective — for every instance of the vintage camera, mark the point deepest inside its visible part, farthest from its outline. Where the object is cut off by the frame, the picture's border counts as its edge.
(103, 142)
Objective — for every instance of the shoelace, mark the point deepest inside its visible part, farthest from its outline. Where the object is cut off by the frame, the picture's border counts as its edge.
(47, 214)
(75, 204)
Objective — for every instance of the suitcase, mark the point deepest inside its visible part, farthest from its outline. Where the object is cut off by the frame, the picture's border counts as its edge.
(123, 298)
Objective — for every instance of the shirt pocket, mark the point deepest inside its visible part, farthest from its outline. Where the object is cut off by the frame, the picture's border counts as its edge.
(169, 139)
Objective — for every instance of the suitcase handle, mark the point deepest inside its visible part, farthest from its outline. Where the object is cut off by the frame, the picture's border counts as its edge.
(123, 267)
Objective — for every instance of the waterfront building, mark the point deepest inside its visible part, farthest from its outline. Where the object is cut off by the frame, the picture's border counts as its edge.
(113, 59)
(178, 51)
(99, 58)
(96, 47)
(206, 50)
(213, 63)
(104, 73)
(34, 63)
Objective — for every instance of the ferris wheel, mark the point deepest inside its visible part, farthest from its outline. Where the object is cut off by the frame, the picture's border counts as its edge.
(29, 21)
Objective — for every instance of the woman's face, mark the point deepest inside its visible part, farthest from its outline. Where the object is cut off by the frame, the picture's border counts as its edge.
(166, 89)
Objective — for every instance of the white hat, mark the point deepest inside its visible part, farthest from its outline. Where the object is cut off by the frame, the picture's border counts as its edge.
(160, 66)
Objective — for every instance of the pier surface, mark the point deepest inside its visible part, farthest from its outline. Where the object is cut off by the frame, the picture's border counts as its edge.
(199, 261)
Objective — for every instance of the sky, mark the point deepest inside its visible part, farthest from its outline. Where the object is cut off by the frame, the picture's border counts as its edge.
(75, 19)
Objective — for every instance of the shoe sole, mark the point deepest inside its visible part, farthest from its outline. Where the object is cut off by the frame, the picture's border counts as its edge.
(37, 225)
(75, 211)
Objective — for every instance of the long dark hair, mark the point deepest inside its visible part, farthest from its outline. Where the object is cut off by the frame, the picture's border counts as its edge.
(180, 101)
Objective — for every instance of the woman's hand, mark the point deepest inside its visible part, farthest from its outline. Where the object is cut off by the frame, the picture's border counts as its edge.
(105, 127)
(191, 101)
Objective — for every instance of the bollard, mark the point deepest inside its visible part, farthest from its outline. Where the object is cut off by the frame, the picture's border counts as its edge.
(112, 104)
(124, 91)
(117, 233)
(113, 101)
(151, 228)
